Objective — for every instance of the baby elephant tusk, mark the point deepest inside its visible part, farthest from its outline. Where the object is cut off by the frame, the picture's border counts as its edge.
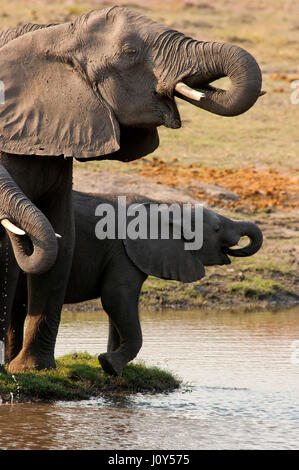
(11, 227)
(57, 235)
(185, 90)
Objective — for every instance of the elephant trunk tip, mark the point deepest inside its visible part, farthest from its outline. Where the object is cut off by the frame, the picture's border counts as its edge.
(255, 235)
(218, 60)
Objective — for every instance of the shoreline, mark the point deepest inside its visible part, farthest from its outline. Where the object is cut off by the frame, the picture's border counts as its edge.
(78, 376)
(240, 306)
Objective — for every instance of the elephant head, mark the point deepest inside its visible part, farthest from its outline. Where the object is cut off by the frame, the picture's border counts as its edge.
(168, 257)
(220, 234)
(100, 86)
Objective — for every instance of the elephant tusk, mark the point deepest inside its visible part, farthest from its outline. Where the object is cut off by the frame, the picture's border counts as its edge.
(8, 225)
(185, 90)
(11, 227)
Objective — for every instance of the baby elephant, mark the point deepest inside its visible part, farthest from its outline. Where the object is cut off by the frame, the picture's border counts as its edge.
(115, 268)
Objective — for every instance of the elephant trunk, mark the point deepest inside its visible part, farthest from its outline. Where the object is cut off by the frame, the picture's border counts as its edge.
(255, 235)
(215, 60)
(36, 251)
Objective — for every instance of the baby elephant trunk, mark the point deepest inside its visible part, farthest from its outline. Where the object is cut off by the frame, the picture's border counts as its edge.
(252, 231)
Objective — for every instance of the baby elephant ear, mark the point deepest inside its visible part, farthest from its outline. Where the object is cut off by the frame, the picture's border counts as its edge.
(49, 106)
(165, 258)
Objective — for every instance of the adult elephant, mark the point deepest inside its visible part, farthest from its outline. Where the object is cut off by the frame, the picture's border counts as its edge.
(116, 268)
(97, 87)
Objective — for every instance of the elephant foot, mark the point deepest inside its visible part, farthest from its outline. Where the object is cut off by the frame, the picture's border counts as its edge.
(24, 362)
(111, 364)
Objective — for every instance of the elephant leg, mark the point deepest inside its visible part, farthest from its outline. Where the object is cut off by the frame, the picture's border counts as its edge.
(113, 337)
(120, 297)
(15, 333)
(8, 280)
(46, 291)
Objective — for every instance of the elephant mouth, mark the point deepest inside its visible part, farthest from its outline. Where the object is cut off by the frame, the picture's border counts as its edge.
(229, 249)
(224, 257)
(196, 95)
(169, 115)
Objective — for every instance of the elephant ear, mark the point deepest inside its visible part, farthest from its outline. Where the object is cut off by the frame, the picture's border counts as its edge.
(50, 107)
(165, 258)
(135, 142)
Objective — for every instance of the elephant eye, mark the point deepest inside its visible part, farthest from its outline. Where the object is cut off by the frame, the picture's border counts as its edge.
(129, 51)
(217, 228)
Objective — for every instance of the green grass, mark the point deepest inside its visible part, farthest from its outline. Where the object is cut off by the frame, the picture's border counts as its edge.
(257, 288)
(272, 267)
(163, 293)
(79, 376)
(256, 279)
(264, 265)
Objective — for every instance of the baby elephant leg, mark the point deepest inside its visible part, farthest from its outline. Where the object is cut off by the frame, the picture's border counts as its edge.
(113, 337)
(120, 301)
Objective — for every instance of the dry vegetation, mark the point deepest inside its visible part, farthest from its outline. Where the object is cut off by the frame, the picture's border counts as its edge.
(245, 166)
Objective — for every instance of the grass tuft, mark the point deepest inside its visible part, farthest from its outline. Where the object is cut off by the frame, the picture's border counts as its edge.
(257, 288)
(79, 376)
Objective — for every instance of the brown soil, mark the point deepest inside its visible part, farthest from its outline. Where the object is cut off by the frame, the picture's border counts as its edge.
(253, 189)
(242, 189)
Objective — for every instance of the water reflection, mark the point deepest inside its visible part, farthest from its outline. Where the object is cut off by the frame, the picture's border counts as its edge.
(243, 393)
(217, 349)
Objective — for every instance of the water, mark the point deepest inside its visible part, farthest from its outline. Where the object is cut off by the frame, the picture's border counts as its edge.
(241, 391)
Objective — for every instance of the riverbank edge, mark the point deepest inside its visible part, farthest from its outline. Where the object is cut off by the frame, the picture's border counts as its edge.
(241, 304)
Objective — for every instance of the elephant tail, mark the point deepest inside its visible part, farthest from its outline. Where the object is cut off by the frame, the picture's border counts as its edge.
(31, 234)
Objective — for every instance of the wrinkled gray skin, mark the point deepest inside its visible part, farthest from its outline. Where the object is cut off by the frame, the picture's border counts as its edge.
(116, 269)
(95, 88)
